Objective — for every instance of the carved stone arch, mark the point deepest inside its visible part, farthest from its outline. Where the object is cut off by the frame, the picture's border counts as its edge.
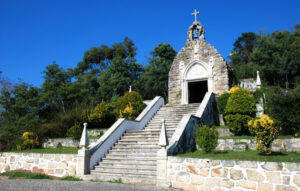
(196, 70)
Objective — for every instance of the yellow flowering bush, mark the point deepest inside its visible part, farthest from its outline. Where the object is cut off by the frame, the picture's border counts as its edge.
(234, 89)
(265, 132)
(29, 141)
(127, 112)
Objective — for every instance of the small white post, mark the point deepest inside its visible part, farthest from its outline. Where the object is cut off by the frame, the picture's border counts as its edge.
(258, 81)
(162, 158)
(129, 88)
(83, 162)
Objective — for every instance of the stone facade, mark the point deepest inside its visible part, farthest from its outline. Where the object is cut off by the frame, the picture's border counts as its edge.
(212, 175)
(197, 61)
(51, 164)
(53, 143)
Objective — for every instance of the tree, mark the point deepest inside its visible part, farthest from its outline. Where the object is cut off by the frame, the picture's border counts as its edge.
(155, 78)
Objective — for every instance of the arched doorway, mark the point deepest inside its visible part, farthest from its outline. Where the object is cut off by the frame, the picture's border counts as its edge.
(197, 80)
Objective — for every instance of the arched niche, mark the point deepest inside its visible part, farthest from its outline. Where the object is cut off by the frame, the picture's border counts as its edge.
(196, 75)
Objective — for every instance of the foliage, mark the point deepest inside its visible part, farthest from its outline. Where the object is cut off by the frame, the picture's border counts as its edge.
(29, 141)
(222, 101)
(75, 132)
(283, 106)
(249, 155)
(206, 138)
(130, 105)
(239, 109)
(265, 132)
(101, 116)
(241, 101)
(59, 150)
(14, 175)
(276, 55)
(154, 81)
(70, 178)
(238, 123)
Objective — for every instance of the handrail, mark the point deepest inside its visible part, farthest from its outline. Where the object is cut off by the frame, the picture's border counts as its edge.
(113, 134)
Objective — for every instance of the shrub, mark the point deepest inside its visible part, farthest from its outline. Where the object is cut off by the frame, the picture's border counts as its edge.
(241, 101)
(238, 123)
(130, 105)
(264, 131)
(206, 138)
(222, 101)
(239, 110)
(75, 132)
(283, 106)
(101, 116)
(29, 141)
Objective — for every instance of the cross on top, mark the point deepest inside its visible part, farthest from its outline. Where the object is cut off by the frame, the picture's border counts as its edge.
(195, 13)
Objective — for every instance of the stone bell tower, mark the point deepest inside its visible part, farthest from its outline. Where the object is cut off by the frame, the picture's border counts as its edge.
(198, 68)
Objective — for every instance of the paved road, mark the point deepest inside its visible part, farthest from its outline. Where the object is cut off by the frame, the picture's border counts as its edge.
(57, 185)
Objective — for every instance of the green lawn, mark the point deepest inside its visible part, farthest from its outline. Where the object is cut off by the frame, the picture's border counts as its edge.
(14, 175)
(59, 150)
(249, 155)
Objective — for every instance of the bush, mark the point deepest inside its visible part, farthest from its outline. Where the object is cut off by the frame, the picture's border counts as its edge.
(75, 132)
(240, 108)
(264, 131)
(241, 101)
(101, 116)
(129, 106)
(222, 101)
(283, 106)
(238, 123)
(29, 141)
(206, 138)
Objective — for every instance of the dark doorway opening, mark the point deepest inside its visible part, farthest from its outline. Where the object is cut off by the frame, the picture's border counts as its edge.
(197, 91)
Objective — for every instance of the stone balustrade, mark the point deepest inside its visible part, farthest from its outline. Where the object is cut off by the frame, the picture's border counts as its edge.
(51, 164)
(205, 174)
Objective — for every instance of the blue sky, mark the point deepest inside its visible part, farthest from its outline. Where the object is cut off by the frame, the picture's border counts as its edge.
(33, 33)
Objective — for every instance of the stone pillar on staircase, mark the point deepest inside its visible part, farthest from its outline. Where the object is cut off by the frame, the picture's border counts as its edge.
(83, 159)
(162, 157)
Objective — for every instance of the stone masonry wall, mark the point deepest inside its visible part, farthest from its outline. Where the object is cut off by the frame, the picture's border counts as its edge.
(53, 143)
(219, 175)
(51, 164)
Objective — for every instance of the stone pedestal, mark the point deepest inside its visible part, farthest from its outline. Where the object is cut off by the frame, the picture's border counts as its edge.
(161, 171)
(83, 163)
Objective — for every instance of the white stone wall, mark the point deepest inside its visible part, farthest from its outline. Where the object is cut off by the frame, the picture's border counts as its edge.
(53, 143)
(51, 164)
(218, 175)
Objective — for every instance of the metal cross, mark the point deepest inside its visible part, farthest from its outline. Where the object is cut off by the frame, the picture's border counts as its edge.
(195, 13)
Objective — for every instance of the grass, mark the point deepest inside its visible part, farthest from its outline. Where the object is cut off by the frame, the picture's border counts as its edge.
(222, 127)
(59, 150)
(71, 178)
(15, 175)
(249, 155)
(119, 181)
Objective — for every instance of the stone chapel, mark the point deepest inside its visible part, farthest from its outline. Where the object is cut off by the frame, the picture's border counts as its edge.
(198, 68)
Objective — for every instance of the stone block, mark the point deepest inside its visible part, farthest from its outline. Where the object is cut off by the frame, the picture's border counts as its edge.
(176, 159)
(285, 188)
(69, 158)
(219, 189)
(296, 179)
(196, 179)
(63, 164)
(220, 172)
(254, 175)
(239, 148)
(247, 185)
(247, 164)
(57, 158)
(182, 177)
(12, 159)
(49, 171)
(236, 174)
(273, 177)
(30, 160)
(264, 187)
(228, 163)
(59, 171)
(286, 180)
(272, 166)
(227, 183)
(191, 169)
(52, 165)
(47, 156)
(215, 162)
(37, 170)
(26, 166)
(212, 182)
(291, 166)
(204, 188)
(183, 186)
(203, 172)
(203, 164)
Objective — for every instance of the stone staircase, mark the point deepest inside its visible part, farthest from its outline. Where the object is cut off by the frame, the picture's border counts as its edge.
(133, 157)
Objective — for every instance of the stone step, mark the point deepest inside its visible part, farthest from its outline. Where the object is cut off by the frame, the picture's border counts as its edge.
(132, 164)
(137, 161)
(140, 170)
(134, 150)
(130, 151)
(136, 158)
(131, 155)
